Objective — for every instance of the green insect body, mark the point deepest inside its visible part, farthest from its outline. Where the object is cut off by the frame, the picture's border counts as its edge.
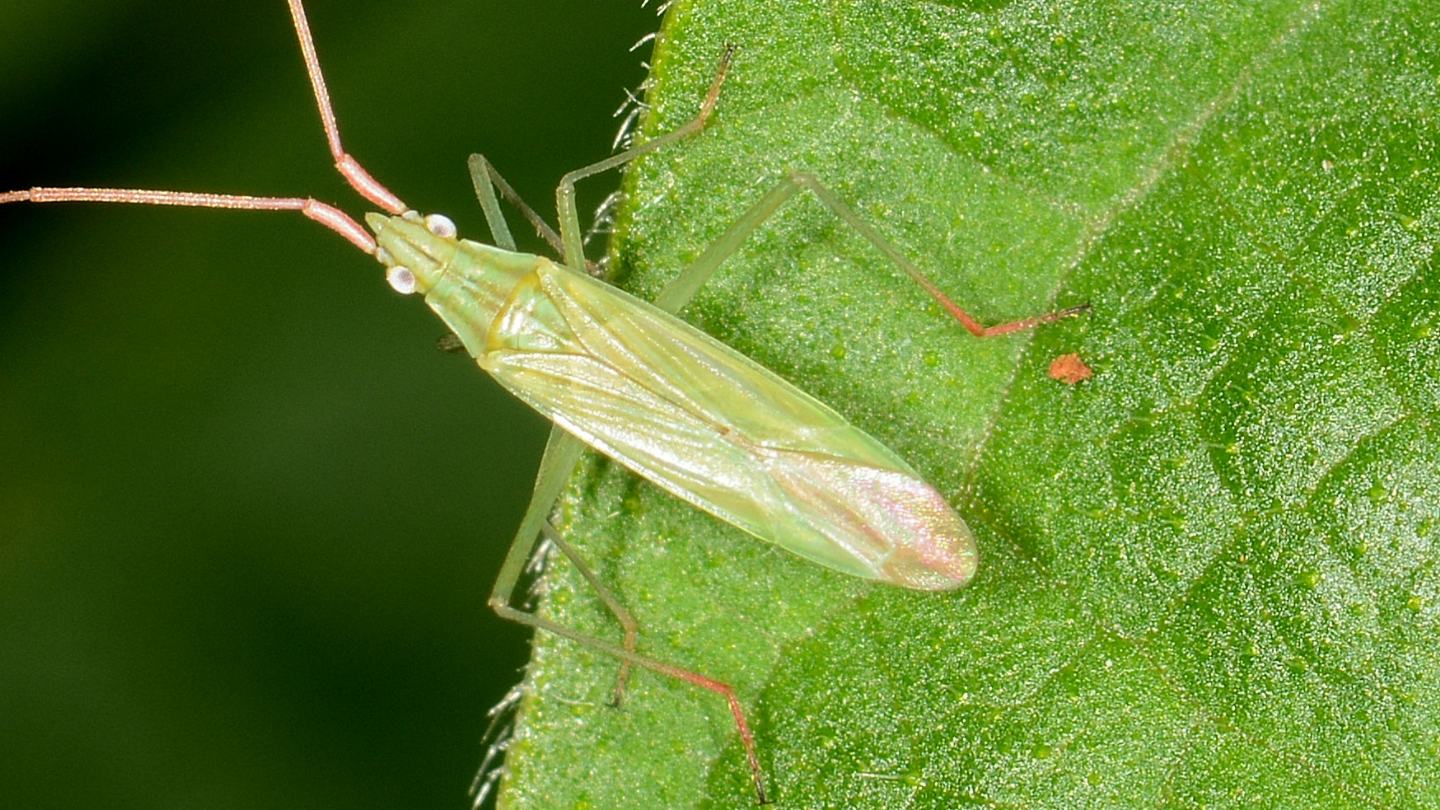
(633, 381)
(688, 413)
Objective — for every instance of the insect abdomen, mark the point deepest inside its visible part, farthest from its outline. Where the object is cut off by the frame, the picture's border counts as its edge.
(718, 430)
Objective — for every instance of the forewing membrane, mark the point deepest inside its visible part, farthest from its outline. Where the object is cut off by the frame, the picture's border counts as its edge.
(713, 427)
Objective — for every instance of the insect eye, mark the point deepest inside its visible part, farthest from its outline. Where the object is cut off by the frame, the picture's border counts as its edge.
(401, 279)
(440, 225)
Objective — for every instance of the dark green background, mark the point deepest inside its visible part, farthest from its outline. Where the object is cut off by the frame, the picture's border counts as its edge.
(248, 513)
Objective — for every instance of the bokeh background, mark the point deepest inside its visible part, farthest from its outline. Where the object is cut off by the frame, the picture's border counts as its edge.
(249, 514)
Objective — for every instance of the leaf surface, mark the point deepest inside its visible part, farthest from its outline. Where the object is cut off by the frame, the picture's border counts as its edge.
(1207, 573)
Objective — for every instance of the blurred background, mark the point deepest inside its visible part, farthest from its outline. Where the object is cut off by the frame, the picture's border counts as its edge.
(249, 514)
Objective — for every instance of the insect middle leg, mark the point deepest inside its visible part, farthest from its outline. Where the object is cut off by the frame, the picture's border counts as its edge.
(570, 232)
(569, 242)
(562, 452)
(486, 180)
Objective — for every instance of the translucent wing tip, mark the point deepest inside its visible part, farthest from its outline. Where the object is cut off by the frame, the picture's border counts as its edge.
(940, 564)
(936, 551)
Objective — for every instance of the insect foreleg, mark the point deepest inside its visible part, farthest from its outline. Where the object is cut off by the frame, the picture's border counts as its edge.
(486, 180)
(570, 231)
(692, 278)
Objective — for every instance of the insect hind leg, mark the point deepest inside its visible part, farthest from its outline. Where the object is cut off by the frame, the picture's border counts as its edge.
(684, 287)
(747, 738)
(562, 453)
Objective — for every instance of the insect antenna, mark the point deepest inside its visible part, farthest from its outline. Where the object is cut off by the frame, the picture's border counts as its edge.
(328, 215)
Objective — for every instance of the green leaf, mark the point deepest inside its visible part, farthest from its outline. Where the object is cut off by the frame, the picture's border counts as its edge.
(1208, 574)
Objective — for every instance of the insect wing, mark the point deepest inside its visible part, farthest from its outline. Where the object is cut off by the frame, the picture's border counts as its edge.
(716, 429)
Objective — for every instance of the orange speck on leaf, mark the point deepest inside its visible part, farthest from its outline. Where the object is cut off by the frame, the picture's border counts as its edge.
(1070, 369)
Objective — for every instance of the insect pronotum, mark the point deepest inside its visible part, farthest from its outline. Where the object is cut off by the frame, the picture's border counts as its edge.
(631, 380)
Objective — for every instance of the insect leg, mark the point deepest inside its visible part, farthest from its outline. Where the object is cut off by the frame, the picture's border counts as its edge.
(683, 287)
(693, 277)
(561, 454)
(627, 622)
(486, 179)
(562, 451)
(570, 231)
(845, 213)
(747, 738)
